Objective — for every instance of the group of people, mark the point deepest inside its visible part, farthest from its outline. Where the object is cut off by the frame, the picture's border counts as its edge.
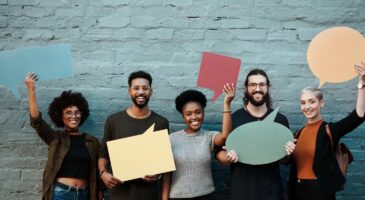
(78, 166)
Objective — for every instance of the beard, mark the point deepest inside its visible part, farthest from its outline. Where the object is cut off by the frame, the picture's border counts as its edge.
(252, 100)
(140, 105)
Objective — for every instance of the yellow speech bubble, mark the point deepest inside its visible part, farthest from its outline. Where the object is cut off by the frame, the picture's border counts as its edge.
(333, 53)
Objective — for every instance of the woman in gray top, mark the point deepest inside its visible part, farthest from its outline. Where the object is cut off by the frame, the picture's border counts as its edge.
(192, 148)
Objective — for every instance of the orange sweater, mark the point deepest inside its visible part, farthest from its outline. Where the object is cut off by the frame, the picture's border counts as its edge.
(304, 151)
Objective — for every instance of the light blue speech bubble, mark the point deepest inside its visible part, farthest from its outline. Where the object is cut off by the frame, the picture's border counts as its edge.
(260, 142)
(51, 62)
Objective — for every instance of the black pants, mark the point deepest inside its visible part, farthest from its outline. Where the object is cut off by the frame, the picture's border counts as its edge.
(311, 190)
(210, 196)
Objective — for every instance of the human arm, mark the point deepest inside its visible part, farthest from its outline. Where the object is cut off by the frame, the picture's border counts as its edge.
(44, 131)
(360, 102)
(227, 158)
(30, 79)
(109, 180)
(230, 92)
(166, 184)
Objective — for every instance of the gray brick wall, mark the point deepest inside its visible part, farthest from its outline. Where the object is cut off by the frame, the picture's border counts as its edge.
(111, 38)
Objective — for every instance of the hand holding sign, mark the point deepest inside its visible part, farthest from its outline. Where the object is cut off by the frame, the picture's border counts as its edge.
(135, 157)
(333, 53)
(260, 142)
(217, 70)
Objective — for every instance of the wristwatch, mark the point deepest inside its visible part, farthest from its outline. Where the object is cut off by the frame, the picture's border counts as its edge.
(360, 85)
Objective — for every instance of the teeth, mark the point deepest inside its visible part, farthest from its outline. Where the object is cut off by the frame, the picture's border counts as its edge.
(194, 123)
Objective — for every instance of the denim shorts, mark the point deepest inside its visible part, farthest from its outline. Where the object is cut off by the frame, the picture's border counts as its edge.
(65, 192)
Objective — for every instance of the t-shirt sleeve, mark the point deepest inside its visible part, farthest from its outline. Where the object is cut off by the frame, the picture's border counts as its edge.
(103, 152)
(212, 136)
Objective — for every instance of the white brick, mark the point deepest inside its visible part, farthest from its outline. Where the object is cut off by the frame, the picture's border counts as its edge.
(70, 12)
(249, 34)
(38, 34)
(115, 2)
(189, 34)
(163, 34)
(113, 22)
(307, 34)
(145, 22)
(23, 2)
(36, 12)
(128, 33)
(3, 22)
(285, 35)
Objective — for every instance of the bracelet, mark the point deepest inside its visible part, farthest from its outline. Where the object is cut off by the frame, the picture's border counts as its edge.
(226, 111)
(101, 173)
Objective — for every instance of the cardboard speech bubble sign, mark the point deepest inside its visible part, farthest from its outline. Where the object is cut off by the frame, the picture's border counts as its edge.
(333, 53)
(51, 62)
(260, 142)
(217, 70)
(134, 157)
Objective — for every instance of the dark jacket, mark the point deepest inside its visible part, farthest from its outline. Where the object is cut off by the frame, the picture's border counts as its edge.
(325, 166)
(59, 143)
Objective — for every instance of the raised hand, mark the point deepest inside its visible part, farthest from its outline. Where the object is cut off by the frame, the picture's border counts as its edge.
(30, 79)
(230, 92)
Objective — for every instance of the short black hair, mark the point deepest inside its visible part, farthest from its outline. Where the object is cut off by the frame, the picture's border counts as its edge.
(67, 99)
(190, 96)
(139, 74)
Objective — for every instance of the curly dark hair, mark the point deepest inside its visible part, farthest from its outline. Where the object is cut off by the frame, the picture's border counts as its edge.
(190, 96)
(139, 74)
(67, 99)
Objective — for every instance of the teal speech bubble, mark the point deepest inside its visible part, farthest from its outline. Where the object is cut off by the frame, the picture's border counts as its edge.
(260, 142)
(49, 62)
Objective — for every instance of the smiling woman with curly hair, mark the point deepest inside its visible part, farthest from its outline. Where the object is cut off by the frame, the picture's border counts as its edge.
(67, 99)
(71, 171)
(192, 148)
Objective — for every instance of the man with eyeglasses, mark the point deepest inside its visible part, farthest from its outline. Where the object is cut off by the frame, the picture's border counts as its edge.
(130, 122)
(255, 182)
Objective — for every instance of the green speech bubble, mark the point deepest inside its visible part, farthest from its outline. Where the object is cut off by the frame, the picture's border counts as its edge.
(260, 142)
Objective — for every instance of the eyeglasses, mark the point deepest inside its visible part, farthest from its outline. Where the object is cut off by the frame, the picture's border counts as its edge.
(70, 114)
(137, 89)
(254, 85)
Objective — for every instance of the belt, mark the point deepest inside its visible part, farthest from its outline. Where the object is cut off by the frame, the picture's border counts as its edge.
(307, 181)
(70, 188)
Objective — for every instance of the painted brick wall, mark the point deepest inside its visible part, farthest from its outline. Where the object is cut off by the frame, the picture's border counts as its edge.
(111, 38)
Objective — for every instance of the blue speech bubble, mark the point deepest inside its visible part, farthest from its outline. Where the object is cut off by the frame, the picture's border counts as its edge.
(51, 62)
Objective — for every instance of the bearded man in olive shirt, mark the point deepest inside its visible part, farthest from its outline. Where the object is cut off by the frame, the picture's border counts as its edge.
(130, 122)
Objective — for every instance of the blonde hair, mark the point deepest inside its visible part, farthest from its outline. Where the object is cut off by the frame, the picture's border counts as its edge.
(317, 92)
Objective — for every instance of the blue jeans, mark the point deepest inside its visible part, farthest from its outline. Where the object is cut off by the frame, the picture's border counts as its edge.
(65, 192)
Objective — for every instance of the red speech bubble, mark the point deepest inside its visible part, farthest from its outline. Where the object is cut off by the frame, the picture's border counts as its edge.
(217, 70)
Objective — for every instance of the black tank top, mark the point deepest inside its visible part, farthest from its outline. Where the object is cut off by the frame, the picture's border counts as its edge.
(77, 160)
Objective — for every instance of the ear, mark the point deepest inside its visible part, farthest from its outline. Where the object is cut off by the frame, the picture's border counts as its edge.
(129, 91)
(321, 103)
(151, 92)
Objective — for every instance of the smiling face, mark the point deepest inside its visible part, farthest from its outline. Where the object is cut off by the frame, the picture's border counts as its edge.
(140, 92)
(257, 89)
(71, 117)
(311, 106)
(193, 114)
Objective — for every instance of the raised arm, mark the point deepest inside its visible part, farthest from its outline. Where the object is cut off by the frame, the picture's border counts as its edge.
(360, 102)
(30, 79)
(230, 92)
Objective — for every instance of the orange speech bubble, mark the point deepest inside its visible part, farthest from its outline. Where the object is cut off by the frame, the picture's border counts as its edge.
(333, 53)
